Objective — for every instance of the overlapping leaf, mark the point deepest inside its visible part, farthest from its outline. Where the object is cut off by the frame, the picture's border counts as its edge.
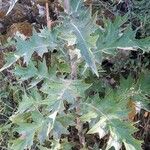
(122, 131)
(38, 42)
(82, 25)
(109, 116)
(37, 74)
(40, 125)
(65, 89)
(113, 36)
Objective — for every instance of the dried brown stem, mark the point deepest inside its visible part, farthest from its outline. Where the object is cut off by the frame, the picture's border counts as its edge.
(48, 20)
(79, 124)
(49, 25)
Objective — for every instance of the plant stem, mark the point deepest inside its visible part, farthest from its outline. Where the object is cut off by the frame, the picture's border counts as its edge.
(49, 25)
(79, 125)
(48, 20)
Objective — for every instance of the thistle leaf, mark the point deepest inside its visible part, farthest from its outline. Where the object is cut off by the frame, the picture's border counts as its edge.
(111, 112)
(38, 42)
(112, 38)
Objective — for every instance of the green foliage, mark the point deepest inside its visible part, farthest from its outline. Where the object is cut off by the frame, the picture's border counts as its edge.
(38, 42)
(112, 38)
(31, 121)
(109, 115)
(141, 11)
(80, 26)
(48, 100)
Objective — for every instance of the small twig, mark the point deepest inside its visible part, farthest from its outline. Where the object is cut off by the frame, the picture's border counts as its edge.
(48, 20)
(49, 26)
